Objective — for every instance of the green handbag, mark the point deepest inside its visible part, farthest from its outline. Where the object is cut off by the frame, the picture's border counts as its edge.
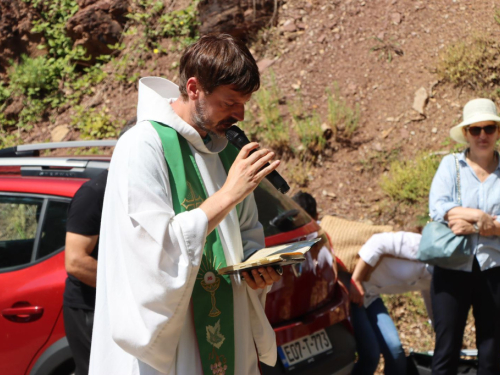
(439, 246)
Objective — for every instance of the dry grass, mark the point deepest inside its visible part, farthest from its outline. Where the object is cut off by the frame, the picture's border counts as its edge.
(471, 63)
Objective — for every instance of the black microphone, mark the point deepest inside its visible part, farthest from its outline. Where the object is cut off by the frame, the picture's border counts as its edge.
(238, 139)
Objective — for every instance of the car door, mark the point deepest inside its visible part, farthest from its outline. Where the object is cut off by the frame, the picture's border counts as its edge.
(32, 274)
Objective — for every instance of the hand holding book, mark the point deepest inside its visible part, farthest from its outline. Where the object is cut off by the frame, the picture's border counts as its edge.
(260, 278)
(275, 256)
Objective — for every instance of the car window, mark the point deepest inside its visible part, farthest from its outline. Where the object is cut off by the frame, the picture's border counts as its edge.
(278, 213)
(54, 228)
(19, 218)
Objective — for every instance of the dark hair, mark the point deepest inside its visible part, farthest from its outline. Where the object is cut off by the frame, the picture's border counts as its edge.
(307, 202)
(216, 60)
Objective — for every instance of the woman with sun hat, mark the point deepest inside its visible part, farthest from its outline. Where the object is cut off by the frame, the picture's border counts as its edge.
(476, 282)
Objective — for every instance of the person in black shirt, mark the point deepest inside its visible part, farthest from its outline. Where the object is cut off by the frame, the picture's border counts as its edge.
(82, 237)
(84, 222)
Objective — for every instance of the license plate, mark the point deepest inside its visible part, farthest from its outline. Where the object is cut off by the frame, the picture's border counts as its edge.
(305, 348)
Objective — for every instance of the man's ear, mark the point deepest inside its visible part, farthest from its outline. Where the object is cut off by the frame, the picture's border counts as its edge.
(193, 88)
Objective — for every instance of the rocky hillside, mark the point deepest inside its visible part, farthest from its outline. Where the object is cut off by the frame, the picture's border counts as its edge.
(356, 93)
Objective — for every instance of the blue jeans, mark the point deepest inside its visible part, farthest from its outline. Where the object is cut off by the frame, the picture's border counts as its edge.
(376, 333)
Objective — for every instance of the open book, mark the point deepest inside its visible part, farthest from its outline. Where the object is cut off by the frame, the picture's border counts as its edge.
(281, 255)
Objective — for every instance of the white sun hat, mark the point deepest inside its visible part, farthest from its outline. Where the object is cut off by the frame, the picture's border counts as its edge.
(476, 110)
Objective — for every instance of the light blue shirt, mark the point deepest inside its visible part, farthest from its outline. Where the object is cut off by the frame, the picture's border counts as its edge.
(475, 194)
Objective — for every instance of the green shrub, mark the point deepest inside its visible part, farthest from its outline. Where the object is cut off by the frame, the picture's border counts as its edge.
(473, 62)
(84, 84)
(341, 117)
(310, 132)
(307, 125)
(32, 113)
(37, 81)
(54, 14)
(409, 181)
(271, 128)
(94, 124)
(181, 23)
(5, 92)
(36, 77)
(9, 140)
(299, 172)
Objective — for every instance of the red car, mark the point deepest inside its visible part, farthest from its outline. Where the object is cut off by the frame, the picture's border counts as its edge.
(308, 310)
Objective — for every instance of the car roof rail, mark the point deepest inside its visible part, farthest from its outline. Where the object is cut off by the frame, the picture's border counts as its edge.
(34, 149)
(57, 166)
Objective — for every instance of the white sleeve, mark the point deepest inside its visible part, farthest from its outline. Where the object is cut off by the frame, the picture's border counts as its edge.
(378, 245)
(152, 255)
(396, 244)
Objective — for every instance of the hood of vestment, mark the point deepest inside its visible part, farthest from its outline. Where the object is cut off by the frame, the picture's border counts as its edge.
(155, 98)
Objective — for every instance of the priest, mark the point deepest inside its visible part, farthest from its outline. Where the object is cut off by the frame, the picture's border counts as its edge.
(178, 206)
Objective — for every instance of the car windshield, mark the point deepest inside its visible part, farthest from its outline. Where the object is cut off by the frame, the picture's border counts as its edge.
(278, 213)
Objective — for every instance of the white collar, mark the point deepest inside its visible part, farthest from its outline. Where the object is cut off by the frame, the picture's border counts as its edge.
(155, 96)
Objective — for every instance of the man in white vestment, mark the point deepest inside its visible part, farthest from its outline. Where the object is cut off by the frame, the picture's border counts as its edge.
(150, 255)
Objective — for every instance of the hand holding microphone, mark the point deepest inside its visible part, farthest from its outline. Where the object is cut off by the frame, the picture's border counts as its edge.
(238, 138)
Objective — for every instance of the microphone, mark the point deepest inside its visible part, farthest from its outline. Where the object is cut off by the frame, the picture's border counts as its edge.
(237, 138)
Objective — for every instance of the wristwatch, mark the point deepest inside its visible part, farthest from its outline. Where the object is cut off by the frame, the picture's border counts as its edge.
(476, 228)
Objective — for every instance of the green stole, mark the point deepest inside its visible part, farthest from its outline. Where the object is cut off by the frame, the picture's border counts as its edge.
(212, 296)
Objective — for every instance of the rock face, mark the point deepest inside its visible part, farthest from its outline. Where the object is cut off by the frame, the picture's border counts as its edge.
(15, 32)
(97, 24)
(240, 18)
(59, 133)
(420, 100)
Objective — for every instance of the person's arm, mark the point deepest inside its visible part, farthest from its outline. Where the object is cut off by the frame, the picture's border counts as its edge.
(395, 244)
(82, 233)
(77, 257)
(462, 219)
(472, 215)
(245, 175)
(495, 231)
(356, 290)
(378, 245)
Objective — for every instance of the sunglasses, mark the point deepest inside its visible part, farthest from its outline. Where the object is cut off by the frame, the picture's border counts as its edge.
(476, 130)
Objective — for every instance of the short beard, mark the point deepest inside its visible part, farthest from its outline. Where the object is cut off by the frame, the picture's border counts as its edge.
(201, 121)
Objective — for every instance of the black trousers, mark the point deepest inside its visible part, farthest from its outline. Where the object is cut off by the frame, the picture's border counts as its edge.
(453, 293)
(78, 325)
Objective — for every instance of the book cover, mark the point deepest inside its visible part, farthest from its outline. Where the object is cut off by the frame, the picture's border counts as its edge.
(281, 255)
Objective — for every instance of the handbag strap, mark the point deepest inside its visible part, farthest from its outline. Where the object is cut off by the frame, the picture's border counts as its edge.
(459, 193)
